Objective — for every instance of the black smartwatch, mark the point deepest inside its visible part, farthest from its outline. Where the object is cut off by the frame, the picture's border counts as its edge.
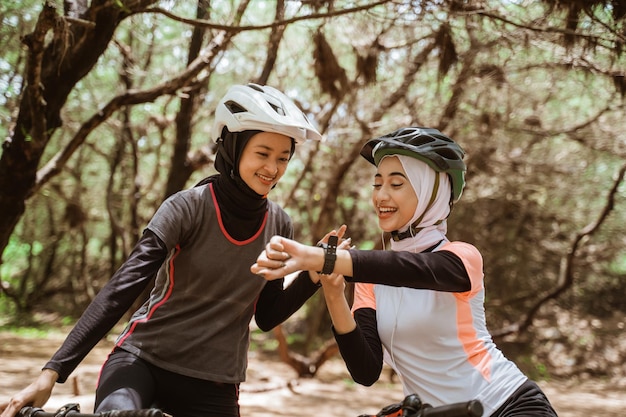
(330, 255)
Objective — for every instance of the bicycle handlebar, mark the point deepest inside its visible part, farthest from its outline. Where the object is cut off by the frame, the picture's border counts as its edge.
(412, 406)
(73, 410)
(471, 408)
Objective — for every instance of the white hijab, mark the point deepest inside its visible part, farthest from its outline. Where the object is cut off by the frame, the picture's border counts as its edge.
(422, 179)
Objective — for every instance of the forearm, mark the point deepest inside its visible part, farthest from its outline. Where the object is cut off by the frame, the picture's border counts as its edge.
(313, 260)
(439, 271)
(110, 304)
(339, 311)
(47, 379)
(361, 348)
(276, 304)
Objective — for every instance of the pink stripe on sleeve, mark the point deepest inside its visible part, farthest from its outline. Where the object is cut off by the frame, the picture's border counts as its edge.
(170, 288)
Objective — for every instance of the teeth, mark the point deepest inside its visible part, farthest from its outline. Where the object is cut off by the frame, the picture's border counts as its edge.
(386, 210)
(264, 178)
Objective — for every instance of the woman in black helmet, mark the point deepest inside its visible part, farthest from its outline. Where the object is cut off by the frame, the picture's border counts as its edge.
(185, 349)
(419, 306)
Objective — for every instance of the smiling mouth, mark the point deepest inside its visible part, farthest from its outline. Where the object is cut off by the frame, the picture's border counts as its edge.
(385, 212)
(265, 178)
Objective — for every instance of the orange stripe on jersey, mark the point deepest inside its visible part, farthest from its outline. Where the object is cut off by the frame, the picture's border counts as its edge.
(363, 296)
(474, 348)
(473, 262)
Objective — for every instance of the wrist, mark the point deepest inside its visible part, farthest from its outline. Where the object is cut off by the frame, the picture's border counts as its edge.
(312, 259)
(330, 255)
(49, 376)
(334, 294)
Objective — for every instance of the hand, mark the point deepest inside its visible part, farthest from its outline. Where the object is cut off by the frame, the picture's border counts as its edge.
(343, 244)
(36, 394)
(281, 257)
(339, 233)
(334, 284)
(284, 256)
(272, 258)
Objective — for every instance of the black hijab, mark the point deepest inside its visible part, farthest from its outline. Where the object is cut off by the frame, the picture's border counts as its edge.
(242, 209)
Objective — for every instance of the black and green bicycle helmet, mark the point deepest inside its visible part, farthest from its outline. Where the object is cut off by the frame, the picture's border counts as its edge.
(426, 144)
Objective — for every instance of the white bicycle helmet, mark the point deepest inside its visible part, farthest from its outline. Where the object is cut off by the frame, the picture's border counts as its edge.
(257, 107)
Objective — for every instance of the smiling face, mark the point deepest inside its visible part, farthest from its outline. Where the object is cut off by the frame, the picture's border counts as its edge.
(394, 198)
(264, 161)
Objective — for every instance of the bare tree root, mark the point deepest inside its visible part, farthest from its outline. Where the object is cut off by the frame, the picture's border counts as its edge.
(305, 367)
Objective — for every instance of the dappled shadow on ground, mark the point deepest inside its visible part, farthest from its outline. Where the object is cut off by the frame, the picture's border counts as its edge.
(272, 390)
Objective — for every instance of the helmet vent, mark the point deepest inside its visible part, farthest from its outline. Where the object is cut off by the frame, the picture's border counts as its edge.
(234, 107)
(447, 153)
(256, 87)
(278, 109)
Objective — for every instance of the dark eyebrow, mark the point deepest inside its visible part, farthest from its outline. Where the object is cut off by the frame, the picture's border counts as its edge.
(269, 148)
(395, 173)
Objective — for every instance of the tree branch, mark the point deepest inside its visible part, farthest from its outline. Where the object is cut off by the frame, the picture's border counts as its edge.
(129, 97)
(236, 29)
(304, 366)
(566, 271)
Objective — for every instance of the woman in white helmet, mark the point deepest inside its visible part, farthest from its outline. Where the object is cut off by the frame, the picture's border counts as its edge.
(185, 349)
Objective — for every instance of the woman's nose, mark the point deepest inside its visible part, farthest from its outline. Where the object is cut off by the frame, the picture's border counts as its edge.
(382, 194)
(271, 167)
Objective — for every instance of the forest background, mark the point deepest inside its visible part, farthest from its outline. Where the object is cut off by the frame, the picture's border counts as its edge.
(106, 109)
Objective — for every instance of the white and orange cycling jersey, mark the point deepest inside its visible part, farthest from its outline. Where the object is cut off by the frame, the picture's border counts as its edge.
(437, 341)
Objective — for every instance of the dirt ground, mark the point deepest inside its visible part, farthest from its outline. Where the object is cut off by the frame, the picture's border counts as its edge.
(272, 391)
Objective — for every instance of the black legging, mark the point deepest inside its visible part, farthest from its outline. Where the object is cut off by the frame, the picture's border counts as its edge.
(129, 383)
(527, 401)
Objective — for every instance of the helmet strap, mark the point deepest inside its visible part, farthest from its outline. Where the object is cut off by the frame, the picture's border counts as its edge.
(413, 230)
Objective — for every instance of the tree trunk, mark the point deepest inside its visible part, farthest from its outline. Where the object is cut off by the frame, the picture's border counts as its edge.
(53, 69)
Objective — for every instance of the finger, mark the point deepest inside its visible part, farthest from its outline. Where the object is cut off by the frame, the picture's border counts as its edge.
(260, 271)
(340, 233)
(345, 244)
(262, 259)
(326, 236)
(270, 252)
(11, 409)
(268, 274)
(256, 268)
(270, 268)
(276, 243)
(277, 255)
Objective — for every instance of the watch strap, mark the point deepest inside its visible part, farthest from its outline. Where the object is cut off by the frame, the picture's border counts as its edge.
(330, 255)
